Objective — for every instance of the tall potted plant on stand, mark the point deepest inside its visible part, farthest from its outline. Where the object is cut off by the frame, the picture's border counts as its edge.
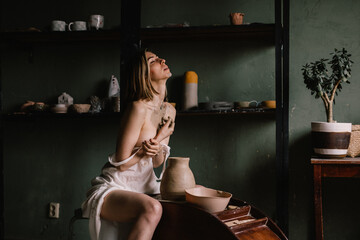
(329, 139)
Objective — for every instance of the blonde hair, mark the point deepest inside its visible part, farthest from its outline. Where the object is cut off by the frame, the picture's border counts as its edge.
(139, 82)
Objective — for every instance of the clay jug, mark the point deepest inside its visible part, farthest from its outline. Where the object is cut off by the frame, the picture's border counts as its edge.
(177, 177)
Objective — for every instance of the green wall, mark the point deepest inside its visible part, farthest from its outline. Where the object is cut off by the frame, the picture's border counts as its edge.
(53, 160)
(316, 28)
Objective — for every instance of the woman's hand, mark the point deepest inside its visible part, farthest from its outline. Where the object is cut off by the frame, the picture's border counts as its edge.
(166, 130)
(151, 147)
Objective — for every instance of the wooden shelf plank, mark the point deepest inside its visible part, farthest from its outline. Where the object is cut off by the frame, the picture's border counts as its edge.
(262, 32)
(243, 111)
(48, 115)
(59, 37)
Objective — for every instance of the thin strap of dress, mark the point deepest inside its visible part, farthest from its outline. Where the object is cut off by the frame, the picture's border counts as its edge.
(166, 150)
(116, 164)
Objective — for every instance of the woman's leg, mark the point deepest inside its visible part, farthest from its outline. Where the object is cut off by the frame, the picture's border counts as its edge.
(125, 206)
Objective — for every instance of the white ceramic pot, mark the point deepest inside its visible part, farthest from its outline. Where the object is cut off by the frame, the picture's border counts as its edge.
(190, 90)
(330, 140)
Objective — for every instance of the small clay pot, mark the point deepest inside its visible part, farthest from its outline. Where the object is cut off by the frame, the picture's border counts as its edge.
(177, 177)
(236, 18)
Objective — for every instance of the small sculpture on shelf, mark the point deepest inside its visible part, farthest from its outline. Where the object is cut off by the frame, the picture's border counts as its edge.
(95, 104)
(66, 99)
(114, 88)
(114, 94)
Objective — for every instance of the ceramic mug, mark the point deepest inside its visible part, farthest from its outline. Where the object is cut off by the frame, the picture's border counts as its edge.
(58, 25)
(96, 22)
(77, 26)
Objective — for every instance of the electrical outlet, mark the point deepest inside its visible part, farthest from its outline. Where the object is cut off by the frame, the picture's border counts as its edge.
(54, 210)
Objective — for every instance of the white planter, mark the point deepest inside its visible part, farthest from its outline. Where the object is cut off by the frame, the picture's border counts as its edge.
(330, 140)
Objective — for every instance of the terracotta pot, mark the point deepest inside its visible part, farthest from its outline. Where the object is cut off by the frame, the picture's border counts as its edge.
(236, 18)
(177, 177)
(330, 140)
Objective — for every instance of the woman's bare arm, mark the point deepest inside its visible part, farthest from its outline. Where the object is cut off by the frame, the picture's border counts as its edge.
(129, 135)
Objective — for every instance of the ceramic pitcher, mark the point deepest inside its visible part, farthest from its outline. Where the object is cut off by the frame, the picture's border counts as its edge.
(177, 177)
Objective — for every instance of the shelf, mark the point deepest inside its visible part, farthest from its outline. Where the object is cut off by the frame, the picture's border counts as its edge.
(59, 37)
(104, 115)
(243, 111)
(261, 32)
(49, 115)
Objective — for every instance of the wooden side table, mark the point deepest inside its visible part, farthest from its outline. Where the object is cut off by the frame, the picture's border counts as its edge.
(335, 168)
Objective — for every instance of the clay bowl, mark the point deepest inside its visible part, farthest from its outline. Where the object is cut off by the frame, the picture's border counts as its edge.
(269, 104)
(81, 108)
(59, 108)
(209, 199)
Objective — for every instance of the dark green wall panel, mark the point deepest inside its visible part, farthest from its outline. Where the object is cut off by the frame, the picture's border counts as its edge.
(55, 159)
(317, 27)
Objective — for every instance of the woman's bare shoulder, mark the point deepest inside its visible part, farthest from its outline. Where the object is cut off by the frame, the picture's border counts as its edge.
(170, 110)
(170, 106)
(138, 107)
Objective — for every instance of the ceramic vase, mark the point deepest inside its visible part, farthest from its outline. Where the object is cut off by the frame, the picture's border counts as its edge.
(177, 177)
(190, 90)
(330, 140)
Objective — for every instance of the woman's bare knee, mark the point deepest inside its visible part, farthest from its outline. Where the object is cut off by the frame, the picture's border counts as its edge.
(152, 211)
(125, 206)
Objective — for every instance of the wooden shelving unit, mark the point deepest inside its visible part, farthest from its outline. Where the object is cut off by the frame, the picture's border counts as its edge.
(275, 34)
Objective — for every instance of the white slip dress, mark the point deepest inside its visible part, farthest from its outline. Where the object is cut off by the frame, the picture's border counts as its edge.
(138, 178)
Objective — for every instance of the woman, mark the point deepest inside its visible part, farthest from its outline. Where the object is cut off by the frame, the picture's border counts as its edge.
(117, 195)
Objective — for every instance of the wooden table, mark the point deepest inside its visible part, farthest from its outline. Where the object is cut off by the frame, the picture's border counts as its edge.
(335, 168)
(184, 221)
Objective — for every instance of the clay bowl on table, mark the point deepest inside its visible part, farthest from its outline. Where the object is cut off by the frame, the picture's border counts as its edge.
(209, 199)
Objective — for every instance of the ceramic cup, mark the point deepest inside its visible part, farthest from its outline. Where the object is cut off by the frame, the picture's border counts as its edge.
(77, 26)
(58, 25)
(96, 22)
(236, 18)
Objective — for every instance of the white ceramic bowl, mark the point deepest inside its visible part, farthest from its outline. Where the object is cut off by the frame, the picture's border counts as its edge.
(209, 199)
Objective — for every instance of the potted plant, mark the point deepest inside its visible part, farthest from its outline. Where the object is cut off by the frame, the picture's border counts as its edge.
(330, 139)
